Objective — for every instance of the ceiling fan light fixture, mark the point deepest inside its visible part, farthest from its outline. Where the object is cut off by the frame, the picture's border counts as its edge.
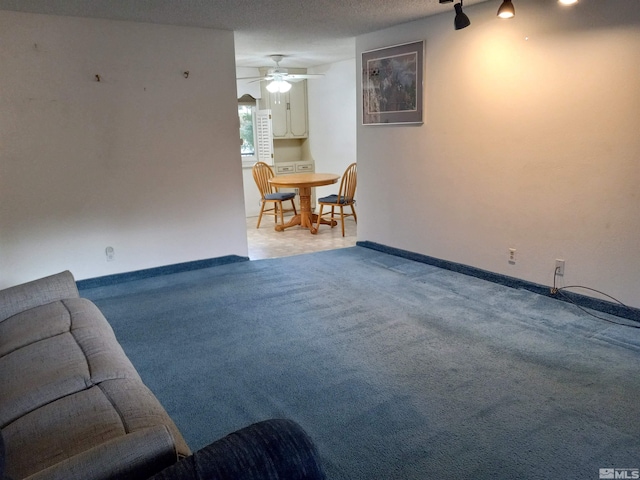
(506, 10)
(278, 86)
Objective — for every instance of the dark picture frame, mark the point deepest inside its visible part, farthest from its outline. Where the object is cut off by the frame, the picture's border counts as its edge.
(392, 89)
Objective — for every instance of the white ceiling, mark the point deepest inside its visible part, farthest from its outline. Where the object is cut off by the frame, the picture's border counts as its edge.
(307, 32)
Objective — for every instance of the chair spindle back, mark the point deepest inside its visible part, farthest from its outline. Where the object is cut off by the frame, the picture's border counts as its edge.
(261, 174)
(348, 183)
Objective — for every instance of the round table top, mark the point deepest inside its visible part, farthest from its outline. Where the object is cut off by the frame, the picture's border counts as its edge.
(304, 179)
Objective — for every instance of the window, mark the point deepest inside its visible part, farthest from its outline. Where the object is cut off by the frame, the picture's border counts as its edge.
(255, 132)
(247, 115)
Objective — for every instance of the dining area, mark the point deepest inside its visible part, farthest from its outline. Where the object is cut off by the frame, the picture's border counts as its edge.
(283, 228)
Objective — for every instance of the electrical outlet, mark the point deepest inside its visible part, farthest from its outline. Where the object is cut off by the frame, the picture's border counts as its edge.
(110, 253)
(559, 267)
(512, 256)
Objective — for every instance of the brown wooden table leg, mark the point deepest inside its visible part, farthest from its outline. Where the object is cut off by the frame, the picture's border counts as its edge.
(305, 218)
(295, 220)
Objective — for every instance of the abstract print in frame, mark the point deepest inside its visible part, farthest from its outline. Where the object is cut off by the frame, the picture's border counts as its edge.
(392, 84)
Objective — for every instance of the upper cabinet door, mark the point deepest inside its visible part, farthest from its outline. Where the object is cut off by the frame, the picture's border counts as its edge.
(279, 114)
(298, 126)
(288, 111)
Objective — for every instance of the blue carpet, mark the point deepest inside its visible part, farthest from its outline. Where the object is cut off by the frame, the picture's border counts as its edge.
(397, 369)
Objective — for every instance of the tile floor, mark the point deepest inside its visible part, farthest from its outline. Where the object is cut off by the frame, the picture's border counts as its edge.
(265, 242)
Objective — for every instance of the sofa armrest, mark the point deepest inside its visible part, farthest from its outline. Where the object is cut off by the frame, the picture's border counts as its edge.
(133, 456)
(28, 295)
(270, 450)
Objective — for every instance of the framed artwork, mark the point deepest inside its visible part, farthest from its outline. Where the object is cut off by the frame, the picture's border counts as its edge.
(392, 90)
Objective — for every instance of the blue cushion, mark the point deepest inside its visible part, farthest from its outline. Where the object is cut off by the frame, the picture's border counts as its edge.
(1, 456)
(279, 196)
(2, 460)
(334, 199)
(268, 450)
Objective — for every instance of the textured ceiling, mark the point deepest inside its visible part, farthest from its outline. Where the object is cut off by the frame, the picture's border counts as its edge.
(307, 32)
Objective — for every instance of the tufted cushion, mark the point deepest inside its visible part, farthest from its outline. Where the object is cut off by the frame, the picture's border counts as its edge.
(68, 389)
(32, 294)
(280, 196)
(70, 353)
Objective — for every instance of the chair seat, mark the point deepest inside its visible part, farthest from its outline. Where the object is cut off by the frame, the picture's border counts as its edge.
(334, 199)
(280, 196)
(270, 195)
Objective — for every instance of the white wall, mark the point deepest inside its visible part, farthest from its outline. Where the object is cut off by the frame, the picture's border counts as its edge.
(332, 119)
(145, 160)
(530, 141)
(251, 194)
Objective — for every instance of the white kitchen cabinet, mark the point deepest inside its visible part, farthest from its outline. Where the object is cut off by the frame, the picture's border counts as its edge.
(288, 111)
(285, 168)
(288, 168)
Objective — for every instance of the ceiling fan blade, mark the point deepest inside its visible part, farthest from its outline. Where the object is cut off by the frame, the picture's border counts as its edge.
(301, 76)
(281, 74)
(256, 79)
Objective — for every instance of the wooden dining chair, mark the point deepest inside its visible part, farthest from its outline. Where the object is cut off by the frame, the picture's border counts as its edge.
(344, 198)
(270, 194)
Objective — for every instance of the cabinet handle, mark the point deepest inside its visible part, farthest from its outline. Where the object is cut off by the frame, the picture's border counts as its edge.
(288, 106)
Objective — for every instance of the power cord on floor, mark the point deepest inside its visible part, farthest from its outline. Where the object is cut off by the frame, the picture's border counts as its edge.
(555, 290)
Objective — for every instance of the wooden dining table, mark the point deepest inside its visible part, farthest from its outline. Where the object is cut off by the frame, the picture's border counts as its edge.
(304, 182)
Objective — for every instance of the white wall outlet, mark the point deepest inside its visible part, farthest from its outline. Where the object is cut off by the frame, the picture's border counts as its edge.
(512, 256)
(559, 266)
(110, 253)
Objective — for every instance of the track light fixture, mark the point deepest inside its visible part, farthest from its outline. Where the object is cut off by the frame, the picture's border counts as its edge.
(461, 21)
(506, 10)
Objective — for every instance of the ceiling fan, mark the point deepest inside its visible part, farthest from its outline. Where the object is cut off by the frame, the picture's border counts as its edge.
(279, 78)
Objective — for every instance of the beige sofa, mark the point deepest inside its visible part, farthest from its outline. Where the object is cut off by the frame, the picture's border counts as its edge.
(72, 403)
(72, 406)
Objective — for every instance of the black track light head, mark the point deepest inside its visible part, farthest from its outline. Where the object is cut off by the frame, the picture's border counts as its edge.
(461, 21)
